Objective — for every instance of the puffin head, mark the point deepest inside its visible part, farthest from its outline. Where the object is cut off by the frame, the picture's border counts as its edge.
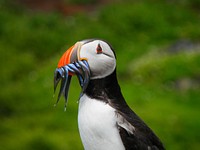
(88, 60)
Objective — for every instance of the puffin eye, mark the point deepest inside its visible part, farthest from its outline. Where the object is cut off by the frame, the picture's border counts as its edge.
(99, 49)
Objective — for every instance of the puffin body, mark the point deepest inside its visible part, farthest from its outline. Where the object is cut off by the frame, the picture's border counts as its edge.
(105, 120)
(97, 125)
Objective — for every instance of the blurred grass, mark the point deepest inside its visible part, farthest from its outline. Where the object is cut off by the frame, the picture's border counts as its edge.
(162, 87)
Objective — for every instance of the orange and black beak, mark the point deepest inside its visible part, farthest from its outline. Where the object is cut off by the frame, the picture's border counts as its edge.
(71, 55)
(71, 64)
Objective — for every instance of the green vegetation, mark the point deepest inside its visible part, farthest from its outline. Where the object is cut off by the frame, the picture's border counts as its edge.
(160, 85)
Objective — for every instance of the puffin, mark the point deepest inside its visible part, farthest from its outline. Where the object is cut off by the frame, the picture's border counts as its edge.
(105, 121)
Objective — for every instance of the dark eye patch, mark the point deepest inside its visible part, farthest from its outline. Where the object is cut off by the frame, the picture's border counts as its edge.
(99, 49)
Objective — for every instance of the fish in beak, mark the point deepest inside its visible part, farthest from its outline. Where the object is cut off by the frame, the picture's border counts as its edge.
(71, 64)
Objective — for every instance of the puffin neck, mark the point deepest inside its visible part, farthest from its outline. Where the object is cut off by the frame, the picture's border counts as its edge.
(104, 89)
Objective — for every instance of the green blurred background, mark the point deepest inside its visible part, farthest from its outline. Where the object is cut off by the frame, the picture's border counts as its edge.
(158, 56)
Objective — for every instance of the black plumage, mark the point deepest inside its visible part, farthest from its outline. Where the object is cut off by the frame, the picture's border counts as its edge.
(108, 91)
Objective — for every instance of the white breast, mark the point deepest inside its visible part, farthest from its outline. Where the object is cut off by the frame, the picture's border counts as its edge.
(97, 125)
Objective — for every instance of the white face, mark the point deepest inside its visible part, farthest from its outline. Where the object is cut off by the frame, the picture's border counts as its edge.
(100, 57)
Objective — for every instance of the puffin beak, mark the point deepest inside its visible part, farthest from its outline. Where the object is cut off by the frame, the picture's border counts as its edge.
(71, 64)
